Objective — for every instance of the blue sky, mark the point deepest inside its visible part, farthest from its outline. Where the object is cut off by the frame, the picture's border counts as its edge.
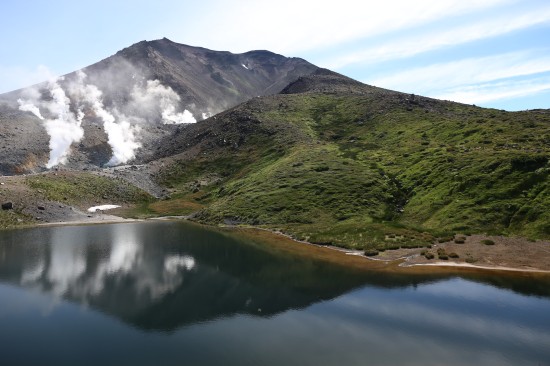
(493, 53)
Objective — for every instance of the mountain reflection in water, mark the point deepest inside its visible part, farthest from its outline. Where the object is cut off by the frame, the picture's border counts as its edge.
(196, 296)
(164, 275)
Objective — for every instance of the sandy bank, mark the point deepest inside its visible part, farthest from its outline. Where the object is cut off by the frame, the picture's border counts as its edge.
(469, 265)
(93, 220)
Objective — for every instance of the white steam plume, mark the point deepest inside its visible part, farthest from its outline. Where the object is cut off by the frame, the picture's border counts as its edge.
(122, 136)
(155, 95)
(123, 141)
(147, 102)
(28, 106)
(169, 117)
(64, 128)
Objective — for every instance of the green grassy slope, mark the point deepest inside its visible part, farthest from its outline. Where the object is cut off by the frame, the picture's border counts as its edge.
(364, 167)
(84, 189)
(57, 192)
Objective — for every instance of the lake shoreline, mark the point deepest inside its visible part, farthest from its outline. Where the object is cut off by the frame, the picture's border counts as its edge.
(468, 265)
(401, 263)
(402, 260)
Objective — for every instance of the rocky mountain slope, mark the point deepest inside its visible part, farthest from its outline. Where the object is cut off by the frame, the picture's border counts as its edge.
(119, 107)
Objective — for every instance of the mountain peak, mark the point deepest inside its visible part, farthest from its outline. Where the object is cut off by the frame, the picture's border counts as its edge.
(136, 82)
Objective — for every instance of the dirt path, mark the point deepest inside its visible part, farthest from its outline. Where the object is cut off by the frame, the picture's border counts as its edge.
(91, 220)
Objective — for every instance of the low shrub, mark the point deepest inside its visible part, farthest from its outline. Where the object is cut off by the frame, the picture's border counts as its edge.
(453, 255)
(429, 256)
(371, 252)
(488, 242)
(459, 241)
(443, 257)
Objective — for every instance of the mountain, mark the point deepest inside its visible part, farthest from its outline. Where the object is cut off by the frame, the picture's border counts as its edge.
(149, 86)
(206, 81)
(331, 160)
(328, 160)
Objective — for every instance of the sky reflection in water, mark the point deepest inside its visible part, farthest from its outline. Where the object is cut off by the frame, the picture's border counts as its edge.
(169, 293)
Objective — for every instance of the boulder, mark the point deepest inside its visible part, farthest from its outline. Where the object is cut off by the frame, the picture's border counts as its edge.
(7, 206)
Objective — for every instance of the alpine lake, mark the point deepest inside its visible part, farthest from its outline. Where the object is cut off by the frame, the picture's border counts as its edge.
(175, 293)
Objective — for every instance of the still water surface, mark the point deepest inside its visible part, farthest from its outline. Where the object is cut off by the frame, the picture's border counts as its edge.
(166, 293)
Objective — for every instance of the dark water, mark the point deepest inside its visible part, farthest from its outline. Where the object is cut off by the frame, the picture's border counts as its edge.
(175, 294)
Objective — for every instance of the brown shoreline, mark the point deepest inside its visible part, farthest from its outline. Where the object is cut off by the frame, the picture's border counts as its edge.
(468, 265)
(402, 261)
(355, 259)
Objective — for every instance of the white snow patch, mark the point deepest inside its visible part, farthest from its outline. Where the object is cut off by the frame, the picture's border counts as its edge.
(243, 65)
(102, 208)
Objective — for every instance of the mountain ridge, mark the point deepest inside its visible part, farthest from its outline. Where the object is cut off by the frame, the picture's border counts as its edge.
(150, 85)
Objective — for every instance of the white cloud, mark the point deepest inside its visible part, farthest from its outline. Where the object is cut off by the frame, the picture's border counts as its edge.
(410, 46)
(476, 80)
(464, 72)
(477, 94)
(290, 26)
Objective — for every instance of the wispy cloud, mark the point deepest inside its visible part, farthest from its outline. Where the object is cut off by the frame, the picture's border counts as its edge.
(489, 92)
(435, 39)
(476, 80)
(290, 26)
(430, 47)
(467, 71)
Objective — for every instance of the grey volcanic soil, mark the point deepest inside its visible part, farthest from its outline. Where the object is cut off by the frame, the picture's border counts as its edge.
(24, 142)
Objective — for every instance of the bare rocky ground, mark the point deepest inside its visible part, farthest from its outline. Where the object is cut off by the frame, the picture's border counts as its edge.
(140, 176)
(25, 144)
(24, 147)
(28, 206)
(34, 206)
(505, 253)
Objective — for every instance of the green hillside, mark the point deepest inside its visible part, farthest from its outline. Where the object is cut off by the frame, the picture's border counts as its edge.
(363, 167)
(53, 196)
